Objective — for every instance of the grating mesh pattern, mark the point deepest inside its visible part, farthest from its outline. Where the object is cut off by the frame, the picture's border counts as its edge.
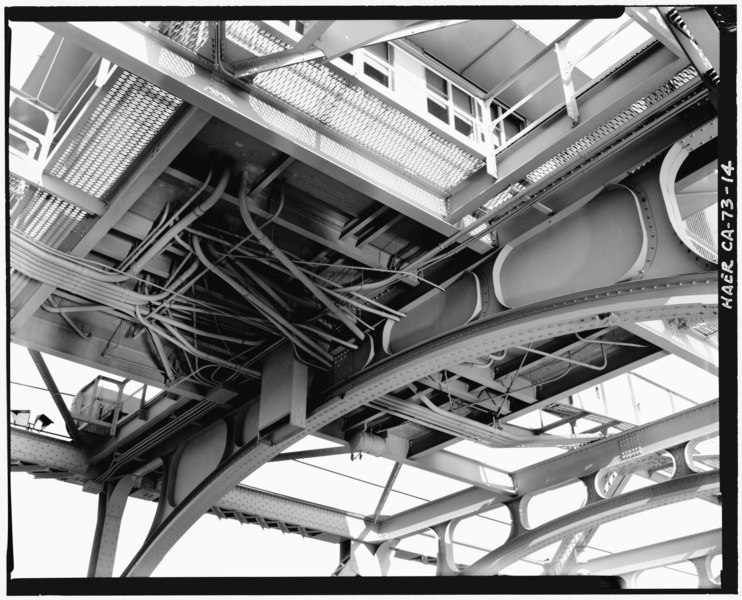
(584, 144)
(504, 196)
(190, 34)
(620, 120)
(264, 522)
(47, 219)
(16, 189)
(127, 119)
(704, 251)
(348, 109)
(706, 329)
(698, 225)
(468, 220)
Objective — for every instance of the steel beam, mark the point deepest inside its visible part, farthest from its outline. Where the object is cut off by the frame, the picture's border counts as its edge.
(680, 427)
(302, 223)
(687, 346)
(704, 47)
(513, 77)
(108, 526)
(28, 171)
(142, 54)
(43, 450)
(148, 170)
(661, 494)
(291, 510)
(56, 396)
(387, 490)
(132, 360)
(479, 338)
(688, 424)
(651, 21)
(598, 104)
(464, 469)
(468, 502)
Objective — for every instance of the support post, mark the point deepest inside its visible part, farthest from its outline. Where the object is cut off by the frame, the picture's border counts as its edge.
(702, 565)
(517, 525)
(446, 564)
(111, 507)
(360, 559)
(56, 396)
(680, 457)
(565, 69)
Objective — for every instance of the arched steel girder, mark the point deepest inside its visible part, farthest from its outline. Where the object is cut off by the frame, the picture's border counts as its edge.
(556, 471)
(34, 451)
(689, 547)
(676, 490)
(663, 298)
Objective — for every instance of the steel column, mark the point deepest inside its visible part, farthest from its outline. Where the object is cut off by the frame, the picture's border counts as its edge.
(358, 558)
(445, 564)
(109, 524)
(702, 565)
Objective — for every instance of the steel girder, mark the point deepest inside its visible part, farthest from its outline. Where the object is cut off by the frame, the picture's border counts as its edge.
(35, 448)
(661, 494)
(661, 554)
(109, 525)
(40, 449)
(651, 20)
(642, 300)
(682, 426)
(312, 144)
(303, 224)
(131, 358)
(693, 348)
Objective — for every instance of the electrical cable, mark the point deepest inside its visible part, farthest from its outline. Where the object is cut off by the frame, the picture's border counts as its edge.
(286, 261)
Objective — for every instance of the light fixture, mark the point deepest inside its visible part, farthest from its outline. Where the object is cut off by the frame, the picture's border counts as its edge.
(20, 417)
(44, 420)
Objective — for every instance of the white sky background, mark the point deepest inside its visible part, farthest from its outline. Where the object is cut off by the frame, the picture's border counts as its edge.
(54, 522)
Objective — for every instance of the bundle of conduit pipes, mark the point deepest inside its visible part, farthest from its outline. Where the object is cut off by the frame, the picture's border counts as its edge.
(191, 321)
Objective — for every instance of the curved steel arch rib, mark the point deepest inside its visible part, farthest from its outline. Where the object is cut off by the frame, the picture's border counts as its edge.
(675, 490)
(664, 298)
(699, 545)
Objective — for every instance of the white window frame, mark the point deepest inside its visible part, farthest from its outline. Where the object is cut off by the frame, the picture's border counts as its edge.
(386, 68)
(446, 101)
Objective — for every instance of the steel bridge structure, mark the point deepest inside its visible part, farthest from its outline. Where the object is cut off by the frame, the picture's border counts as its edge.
(386, 237)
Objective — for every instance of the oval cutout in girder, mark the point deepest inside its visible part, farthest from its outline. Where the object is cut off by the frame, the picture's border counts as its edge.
(599, 244)
(458, 305)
